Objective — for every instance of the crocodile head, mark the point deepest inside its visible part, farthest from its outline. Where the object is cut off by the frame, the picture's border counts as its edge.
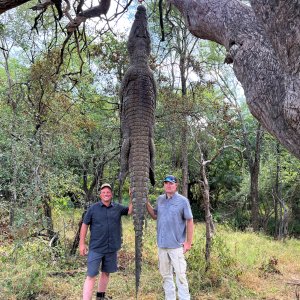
(139, 44)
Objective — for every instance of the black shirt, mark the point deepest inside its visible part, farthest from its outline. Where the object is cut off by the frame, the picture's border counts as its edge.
(105, 226)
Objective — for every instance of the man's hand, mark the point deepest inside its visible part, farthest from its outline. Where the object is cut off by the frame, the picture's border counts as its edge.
(150, 210)
(186, 247)
(83, 249)
(130, 207)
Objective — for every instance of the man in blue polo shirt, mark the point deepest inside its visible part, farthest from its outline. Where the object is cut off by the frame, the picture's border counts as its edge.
(104, 220)
(175, 230)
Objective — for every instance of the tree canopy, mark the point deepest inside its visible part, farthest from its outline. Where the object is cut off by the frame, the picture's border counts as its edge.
(60, 108)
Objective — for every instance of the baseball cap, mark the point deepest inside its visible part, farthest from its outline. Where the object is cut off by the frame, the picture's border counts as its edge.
(104, 185)
(170, 178)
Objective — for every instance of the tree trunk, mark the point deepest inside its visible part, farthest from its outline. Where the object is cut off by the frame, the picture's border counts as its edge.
(277, 192)
(208, 217)
(14, 160)
(283, 225)
(77, 235)
(255, 220)
(263, 43)
(13, 203)
(48, 215)
(39, 175)
(295, 211)
(254, 173)
(89, 190)
(183, 67)
(184, 157)
(281, 218)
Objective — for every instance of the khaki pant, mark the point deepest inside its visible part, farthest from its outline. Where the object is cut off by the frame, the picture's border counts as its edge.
(170, 261)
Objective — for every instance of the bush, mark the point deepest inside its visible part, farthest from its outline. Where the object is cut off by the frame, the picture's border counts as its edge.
(223, 265)
(25, 278)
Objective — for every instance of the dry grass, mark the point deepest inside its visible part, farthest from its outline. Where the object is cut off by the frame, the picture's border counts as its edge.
(241, 267)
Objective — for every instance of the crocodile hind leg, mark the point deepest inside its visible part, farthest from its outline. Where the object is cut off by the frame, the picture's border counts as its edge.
(124, 165)
(152, 161)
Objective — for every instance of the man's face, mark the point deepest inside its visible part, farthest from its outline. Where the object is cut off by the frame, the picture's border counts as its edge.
(170, 187)
(106, 195)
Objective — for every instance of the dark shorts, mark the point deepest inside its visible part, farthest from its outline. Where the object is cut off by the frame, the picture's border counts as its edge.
(108, 263)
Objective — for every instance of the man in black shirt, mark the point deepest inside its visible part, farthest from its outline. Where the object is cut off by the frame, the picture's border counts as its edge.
(104, 220)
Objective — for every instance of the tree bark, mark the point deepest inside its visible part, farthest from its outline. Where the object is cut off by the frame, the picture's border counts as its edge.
(184, 135)
(48, 215)
(283, 226)
(208, 217)
(263, 43)
(277, 191)
(254, 167)
(184, 157)
(280, 208)
(204, 186)
(9, 4)
(77, 235)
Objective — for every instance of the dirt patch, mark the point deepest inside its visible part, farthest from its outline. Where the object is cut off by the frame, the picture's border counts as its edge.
(272, 287)
(125, 259)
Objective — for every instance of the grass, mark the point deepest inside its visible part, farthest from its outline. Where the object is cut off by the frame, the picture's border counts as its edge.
(244, 265)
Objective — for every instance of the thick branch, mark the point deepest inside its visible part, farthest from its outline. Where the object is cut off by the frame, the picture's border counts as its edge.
(96, 11)
(217, 20)
(92, 12)
(272, 94)
(42, 6)
(9, 4)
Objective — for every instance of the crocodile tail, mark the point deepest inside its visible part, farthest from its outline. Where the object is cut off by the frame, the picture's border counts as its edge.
(139, 209)
(138, 258)
(139, 186)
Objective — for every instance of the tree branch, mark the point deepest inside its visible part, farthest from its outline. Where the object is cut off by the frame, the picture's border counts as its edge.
(220, 151)
(9, 4)
(92, 12)
(271, 93)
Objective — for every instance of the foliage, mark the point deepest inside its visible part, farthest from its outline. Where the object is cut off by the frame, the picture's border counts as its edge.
(60, 131)
(269, 267)
(223, 264)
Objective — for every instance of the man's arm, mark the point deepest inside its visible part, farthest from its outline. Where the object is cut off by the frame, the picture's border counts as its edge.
(187, 245)
(130, 207)
(151, 210)
(82, 246)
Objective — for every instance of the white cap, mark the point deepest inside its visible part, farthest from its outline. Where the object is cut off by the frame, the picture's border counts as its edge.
(104, 185)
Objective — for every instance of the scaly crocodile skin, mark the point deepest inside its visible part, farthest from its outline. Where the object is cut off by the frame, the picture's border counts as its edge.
(138, 97)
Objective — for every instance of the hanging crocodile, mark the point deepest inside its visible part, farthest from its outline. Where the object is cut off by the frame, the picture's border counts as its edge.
(138, 97)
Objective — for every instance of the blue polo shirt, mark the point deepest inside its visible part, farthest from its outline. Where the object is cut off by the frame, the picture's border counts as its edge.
(105, 226)
(172, 214)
